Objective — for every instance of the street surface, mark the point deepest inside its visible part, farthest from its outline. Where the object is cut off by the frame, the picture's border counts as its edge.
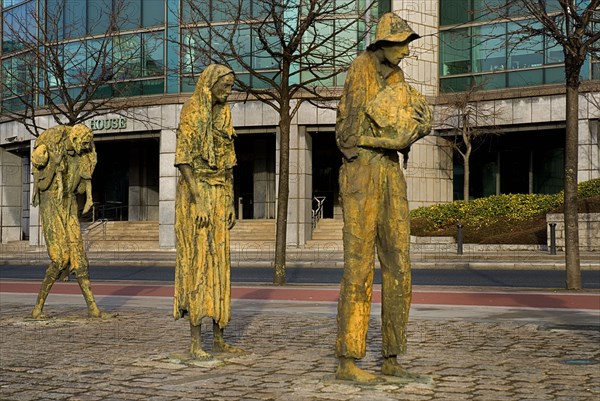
(315, 275)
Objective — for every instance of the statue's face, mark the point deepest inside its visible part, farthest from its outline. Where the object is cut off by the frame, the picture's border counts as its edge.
(222, 88)
(396, 52)
(81, 138)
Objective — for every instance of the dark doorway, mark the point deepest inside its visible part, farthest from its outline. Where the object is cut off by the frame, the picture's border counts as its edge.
(125, 181)
(254, 176)
(326, 163)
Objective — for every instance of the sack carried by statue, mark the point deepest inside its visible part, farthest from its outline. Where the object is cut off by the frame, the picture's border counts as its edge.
(398, 110)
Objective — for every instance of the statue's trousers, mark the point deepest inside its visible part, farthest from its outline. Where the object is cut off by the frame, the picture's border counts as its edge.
(375, 210)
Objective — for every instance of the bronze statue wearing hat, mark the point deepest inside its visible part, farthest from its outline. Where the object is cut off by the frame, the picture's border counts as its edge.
(379, 115)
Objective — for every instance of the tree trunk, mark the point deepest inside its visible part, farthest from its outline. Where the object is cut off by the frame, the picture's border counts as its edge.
(571, 167)
(282, 193)
(467, 178)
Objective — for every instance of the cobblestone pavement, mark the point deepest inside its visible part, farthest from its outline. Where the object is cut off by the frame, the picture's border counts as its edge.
(290, 357)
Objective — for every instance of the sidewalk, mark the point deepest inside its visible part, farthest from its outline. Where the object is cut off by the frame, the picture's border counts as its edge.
(261, 254)
(461, 352)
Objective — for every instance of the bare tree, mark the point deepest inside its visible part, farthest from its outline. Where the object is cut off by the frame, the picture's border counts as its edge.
(469, 121)
(289, 51)
(574, 27)
(53, 71)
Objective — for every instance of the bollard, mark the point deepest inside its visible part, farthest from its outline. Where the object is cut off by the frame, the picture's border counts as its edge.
(552, 238)
(459, 239)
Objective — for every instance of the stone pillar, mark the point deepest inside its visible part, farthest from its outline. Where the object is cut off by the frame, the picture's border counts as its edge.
(300, 179)
(11, 193)
(589, 151)
(167, 186)
(429, 173)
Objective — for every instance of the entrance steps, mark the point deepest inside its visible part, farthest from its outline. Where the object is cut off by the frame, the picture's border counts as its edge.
(121, 235)
(143, 235)
(253, 230)
(327, 230)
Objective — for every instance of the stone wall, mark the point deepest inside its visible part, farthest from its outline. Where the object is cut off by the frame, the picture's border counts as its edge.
(589, 231)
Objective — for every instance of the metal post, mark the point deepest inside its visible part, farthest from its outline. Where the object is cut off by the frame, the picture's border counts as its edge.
(459, 239)
(552, 238)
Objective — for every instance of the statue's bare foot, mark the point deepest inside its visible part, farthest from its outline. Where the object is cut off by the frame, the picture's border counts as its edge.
(98, 314)
(38, 314)
(347, 370)
(200, 355)
(391, 367)
(222, 346)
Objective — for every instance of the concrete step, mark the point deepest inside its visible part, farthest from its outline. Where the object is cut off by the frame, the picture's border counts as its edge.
(121, 235)
(328, 230)
(255, 230)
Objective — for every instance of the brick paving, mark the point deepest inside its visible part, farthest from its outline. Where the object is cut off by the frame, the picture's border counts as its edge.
(290, 357)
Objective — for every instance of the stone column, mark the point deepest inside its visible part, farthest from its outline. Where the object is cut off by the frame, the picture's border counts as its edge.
(11, 193)
(589, 151)
(167, 187)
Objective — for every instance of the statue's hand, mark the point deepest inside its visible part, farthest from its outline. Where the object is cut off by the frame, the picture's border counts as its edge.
(202, 219)
(35, 201)
(230, 217)
(88, 205)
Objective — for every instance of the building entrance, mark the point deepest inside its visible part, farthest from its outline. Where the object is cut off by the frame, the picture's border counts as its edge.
(125, 182)
(254, 176)
(326, 163)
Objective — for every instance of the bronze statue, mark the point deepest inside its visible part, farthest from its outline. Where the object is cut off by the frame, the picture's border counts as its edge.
(63, 161)
(204, 211)
(379, 115)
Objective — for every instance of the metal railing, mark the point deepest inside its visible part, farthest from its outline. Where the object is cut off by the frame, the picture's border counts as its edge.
(317, 213)
(98, 226)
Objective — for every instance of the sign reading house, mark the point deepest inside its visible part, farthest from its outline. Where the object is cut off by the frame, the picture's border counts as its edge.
(108, 124)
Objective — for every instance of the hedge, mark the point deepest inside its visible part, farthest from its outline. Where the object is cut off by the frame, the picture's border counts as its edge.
(493, 209)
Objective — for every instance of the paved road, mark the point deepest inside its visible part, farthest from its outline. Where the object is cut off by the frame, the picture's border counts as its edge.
(448, 277)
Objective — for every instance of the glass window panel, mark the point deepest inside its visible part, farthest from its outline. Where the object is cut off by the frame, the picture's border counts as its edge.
(552, 6)
(194, 58)
(489, 48)
(18, 27)
(127, 89)
(127, 54)
(455, 52)
(16, 104)
(153, 13)
(130, 16)
(347, 6)
(596, 70)
(261, 58)
(584, 74)
(485, 10)
(103, 92)
(345, 41)
(245, 78)
(98, 16)
(227, 10)
(454, 11)
(242, 41)
(197, 12)
(74, 19)
(383, 6)
(525, 51)
(491, 81)
(75, 63)
(555, 75)
(458, 84)
(153, 54)
(260, 84)
(525, 78)
(554, 52)
(99, 58)
(188, 84)
(153, 87)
